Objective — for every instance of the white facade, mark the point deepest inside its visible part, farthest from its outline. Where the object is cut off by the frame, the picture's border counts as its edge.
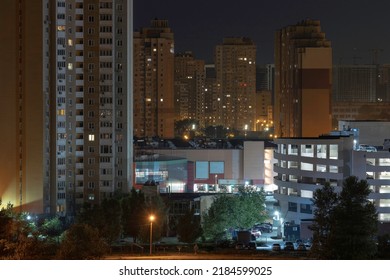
(305, 164)
(375, 168)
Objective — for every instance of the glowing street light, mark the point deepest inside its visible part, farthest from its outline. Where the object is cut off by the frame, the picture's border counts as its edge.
(151, 219)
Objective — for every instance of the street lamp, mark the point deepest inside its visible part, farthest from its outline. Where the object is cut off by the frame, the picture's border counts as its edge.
(151, 219)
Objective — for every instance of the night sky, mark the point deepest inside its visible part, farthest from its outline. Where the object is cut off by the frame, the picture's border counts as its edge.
(354, 27)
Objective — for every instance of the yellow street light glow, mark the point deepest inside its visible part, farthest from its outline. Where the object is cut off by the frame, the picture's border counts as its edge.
(151, 218)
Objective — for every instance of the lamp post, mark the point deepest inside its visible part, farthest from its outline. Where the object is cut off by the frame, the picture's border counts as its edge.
(151, 219)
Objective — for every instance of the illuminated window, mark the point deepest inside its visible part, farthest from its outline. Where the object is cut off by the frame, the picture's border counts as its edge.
(61, 112)
(70, 66)
(321, 168)
(70, 42)
(307, 150)
(321, 151)
(91, 137)
(333, 151)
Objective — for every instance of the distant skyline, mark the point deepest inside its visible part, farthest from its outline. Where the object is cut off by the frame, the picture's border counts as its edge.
(354, 27)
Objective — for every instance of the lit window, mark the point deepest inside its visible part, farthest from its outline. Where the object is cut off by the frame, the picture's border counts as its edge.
(70, 66)
(70, 42)
(91, 137)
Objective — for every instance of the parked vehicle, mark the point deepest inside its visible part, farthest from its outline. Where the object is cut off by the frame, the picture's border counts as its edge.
(289, 246)
(301, 247)
(241, 246)
(246, 246)
(264, 227)
(276, 247)
(256, 232)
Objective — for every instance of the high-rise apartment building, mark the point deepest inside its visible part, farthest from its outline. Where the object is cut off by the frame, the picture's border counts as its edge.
(383, 83)
(235, 64)
(24, 106)
(303, 81)
(265, 77)
(68, 109)
(354, 83)
(210, 96)
(154, 81)
(264, 120)
(189, 87)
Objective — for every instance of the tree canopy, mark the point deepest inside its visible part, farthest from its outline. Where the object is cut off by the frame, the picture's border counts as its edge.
(188, 227)
(82, 242)
(345, 223)
(233, 211)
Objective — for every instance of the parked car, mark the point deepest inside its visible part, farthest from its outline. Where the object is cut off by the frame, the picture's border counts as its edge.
(276, 247)
(256, 232)
(301, 247)
(264, 227)
(252, 246)
(245, 246)
(289, 246)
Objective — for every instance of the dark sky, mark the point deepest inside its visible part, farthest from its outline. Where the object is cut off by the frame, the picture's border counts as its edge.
(354, 27)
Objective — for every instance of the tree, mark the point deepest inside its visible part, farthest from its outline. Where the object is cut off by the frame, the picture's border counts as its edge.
(185, 126)
(228, 211)
(189, 228)
(82, 242)
(52, 228)
(215, 131)
(345, 227)
(154, 206)
(355, 221)
(325, 200)
(133, 213)
(384, 246)
(106, 217)
(20, 238)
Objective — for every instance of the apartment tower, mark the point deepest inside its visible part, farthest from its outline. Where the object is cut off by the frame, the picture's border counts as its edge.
(68, 103)
(154, 81)
(189, 87)
(24, 106)
(303, 81)
(235, 64)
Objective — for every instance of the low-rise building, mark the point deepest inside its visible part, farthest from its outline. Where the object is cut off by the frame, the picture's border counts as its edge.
(306, 164)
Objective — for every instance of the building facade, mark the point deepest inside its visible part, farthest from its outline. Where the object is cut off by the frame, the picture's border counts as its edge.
(354, 83)
(303, 81)
(235, 64)
(74, 112)
(25, 111)
(209, 169)
(210, 96)
(189, 88)
(154, 81)
(306, 164)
